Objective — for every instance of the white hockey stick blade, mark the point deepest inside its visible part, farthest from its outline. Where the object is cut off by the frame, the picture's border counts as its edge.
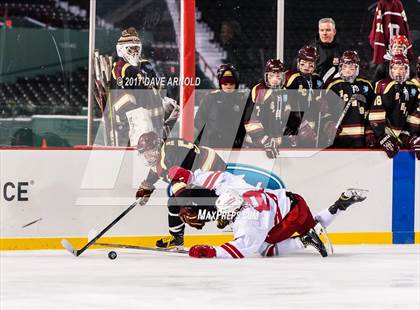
(92, 234)
(67, 245)
(322, 231)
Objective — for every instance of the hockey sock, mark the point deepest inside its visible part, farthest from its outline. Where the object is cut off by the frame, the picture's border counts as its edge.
(289, 246)
(325, 217)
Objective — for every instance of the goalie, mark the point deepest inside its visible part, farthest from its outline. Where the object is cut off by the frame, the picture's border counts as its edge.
(135, 95)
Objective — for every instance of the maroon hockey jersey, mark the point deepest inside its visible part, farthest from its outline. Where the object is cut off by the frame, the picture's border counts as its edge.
(389, 20)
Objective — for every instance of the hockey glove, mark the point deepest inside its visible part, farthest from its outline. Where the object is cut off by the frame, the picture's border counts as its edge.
(178, 174)
(200, 251)
(404, 137)
(270, 147)
(415, 145)
(145, 191)
(390, 145)
(306, 132)
(189, 217)
(370, 140)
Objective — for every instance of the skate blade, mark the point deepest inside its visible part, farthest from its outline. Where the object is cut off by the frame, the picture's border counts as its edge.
(323, 235)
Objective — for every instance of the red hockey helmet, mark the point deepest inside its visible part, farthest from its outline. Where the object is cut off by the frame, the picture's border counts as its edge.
(147, 141)
(274, 65)
(308, 53)
(148, 147)
(349, 57)
(399, 60)
(398, 44)
(400, 76)
(399, 39)
(274, 73)
(227, 73)
(349, 73)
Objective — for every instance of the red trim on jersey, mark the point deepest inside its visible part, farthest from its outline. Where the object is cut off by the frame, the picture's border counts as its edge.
(211, 179)
(278, 217)
(232, 250)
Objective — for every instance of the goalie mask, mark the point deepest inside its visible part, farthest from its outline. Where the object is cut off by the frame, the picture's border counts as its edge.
(274, 73)
(227, 206)
(307, 60)
(349, 66)
(148, 147)
(129, 46)
(399, 68)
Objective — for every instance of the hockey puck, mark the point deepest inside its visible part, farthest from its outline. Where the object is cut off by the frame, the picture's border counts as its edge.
(112, 255)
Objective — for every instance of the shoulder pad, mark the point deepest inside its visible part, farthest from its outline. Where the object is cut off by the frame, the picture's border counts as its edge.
(256, 89)
(383, 86)
(290, 76)
(359, 79)
(416, 82)
(334, 82)
(117, 68)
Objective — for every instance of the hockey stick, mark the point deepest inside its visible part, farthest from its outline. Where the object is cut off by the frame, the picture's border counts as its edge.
(101, 96)
(69, 247)
(138, 247)
(357, 97)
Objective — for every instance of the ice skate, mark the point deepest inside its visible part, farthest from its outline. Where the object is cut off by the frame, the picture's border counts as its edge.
(311, 238)
(347, 198)
(171, 242)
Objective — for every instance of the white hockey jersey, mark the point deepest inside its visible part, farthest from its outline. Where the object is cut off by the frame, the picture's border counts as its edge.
(220, 181)
(264, 210)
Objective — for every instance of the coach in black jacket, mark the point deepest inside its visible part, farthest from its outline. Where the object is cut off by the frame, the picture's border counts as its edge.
(328, 47)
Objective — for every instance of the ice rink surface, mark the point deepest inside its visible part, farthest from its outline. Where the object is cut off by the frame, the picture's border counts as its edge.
(355, 277)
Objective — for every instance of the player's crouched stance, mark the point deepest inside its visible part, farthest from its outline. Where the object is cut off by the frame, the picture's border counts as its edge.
(266, 220)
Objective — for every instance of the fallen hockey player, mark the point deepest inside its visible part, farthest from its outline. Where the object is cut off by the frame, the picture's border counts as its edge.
(264, 221)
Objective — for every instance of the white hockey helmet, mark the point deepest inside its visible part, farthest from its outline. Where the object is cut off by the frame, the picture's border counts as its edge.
(129, 46)
(229, 201)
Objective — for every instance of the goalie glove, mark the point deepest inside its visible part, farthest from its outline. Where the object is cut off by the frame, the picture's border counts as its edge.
(390, 145)
(200, 251)
(270, 147)
(145, 191)
(188, 216)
